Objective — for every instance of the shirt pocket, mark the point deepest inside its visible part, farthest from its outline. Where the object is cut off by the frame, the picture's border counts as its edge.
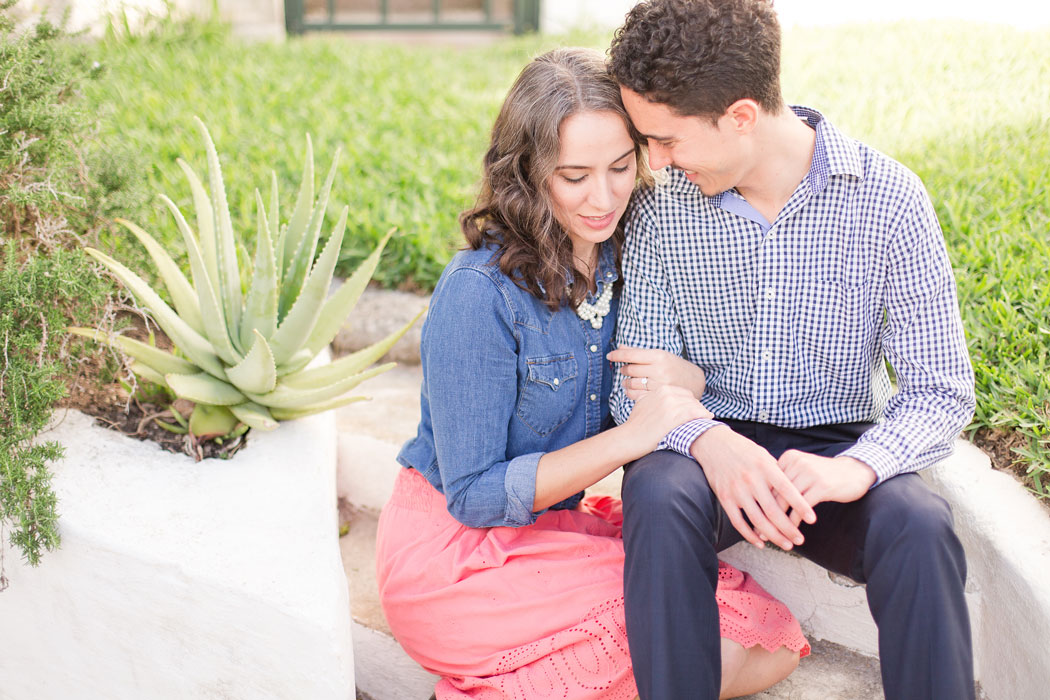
(835, 326)
(549, 394)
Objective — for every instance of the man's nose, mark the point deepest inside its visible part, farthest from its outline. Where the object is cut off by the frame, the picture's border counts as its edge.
(659, 156)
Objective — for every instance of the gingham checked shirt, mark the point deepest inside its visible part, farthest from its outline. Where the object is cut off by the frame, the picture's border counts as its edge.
(793, 321)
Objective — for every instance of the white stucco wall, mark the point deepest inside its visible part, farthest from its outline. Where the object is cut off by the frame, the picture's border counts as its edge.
(558, 16)
(252, 18)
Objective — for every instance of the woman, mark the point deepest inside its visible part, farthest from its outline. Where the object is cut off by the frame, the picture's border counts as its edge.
(494, 571)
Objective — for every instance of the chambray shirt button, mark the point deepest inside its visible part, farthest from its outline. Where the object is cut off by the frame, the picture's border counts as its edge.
(763, 415)
(556, 382)
(593, 348)
(608, 275)
(594, 397)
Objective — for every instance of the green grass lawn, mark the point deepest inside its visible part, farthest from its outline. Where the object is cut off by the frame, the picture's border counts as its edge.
(967, 107)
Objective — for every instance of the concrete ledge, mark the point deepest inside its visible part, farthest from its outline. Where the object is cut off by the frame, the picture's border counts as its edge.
(1006, 534)
(183, 580)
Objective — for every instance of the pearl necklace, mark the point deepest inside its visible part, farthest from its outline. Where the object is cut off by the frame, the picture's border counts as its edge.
(596, 312)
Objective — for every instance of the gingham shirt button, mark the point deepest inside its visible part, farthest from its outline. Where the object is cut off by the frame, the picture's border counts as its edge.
(763, 415)
(767, 355)
(770, 293)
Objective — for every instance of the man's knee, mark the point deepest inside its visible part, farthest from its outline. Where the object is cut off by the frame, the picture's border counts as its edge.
(911, 516)
(665, 488)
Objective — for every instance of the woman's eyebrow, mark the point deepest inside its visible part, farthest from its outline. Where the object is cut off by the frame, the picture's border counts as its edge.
(585, 167)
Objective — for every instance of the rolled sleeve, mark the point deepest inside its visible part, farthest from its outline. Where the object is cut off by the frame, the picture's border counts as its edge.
(519, 482)
(681, 438)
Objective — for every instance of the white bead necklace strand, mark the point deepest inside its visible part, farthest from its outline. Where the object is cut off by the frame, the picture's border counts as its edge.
(596, 312)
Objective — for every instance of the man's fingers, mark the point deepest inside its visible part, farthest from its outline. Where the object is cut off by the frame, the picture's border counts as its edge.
(784, 533)
(786, 488)
(762, 525)
(736, 518)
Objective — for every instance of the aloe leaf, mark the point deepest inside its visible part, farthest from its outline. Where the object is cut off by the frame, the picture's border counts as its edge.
(260, 309)
(293, 413)
(209, 421)
(257, 372)
(214, 321)
(229, 289)
(296, 362)
(339, 305)
(296, 228)
(204, 388)
(285, 396)
(178, 286)
(193, 344)
(157, 360)
(303, 257)
(253, 415)
(299, 323)
(348, 364)
(205, 220)
(275, 209)
(144, 371)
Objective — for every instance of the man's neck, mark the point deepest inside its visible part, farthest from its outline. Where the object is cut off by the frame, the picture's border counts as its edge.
(783, 152)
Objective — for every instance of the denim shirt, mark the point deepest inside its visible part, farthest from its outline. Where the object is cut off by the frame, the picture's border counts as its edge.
(505, 380)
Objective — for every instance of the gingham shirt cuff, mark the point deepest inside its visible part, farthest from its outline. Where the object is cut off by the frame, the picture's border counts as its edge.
(520, 483)
(881, 460)
(681, 438)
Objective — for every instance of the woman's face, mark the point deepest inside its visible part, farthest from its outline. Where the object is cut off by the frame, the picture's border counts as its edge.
(593, 179)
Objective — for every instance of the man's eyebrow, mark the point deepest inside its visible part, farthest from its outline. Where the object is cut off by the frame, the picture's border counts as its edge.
(585, 167)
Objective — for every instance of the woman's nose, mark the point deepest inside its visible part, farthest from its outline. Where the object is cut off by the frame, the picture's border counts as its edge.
(601, 195)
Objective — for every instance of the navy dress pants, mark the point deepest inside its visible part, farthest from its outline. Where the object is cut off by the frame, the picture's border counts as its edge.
(898, 540)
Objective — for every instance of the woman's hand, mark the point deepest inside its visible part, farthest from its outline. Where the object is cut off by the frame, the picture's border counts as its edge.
(649, 369)
(659, 411)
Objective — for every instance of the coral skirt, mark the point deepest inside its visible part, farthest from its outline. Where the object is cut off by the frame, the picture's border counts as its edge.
(532, 612)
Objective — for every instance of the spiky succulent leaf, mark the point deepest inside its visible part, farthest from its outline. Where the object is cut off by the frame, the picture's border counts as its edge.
(204, 388)
(253, 415)
(339, 305)
(179, 287)
(146, 372)
(299, 323)
(260, 308)
(214, 319)
(158, 360)
(229, 290)
(293, 413)
(257, 372)
(209, 421)
(296, 362)
(304, 253)
(205, 220)
(284, 396)
(192, 344)
(348, 364)
(296, 228)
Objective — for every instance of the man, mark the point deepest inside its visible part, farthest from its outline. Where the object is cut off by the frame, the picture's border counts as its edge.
(791, 263)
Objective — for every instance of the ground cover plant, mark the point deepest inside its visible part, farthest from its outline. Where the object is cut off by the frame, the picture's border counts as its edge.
(963, 105)
(52, 199)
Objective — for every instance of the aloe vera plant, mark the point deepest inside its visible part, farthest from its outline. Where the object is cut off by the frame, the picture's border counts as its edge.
(243, 356)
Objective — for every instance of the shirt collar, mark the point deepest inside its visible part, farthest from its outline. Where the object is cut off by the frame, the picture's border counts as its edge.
(833, 153)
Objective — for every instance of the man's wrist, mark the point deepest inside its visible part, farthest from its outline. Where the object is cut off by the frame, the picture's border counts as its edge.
(864, 475)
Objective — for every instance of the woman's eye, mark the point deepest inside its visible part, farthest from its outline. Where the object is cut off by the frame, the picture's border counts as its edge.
(621, 169)
(574, 180)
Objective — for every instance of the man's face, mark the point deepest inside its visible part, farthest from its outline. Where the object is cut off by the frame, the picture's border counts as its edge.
(708, 154)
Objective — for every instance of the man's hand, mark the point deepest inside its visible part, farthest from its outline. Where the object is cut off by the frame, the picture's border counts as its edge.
(747, 480)
(818, 479)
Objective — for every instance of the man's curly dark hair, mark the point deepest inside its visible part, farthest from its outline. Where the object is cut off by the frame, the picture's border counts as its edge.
(700, 56)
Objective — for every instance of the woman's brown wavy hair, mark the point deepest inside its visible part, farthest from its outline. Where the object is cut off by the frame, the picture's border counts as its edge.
(514, 209)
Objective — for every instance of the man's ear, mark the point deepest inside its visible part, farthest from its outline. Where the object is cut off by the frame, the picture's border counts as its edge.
(742, 115)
